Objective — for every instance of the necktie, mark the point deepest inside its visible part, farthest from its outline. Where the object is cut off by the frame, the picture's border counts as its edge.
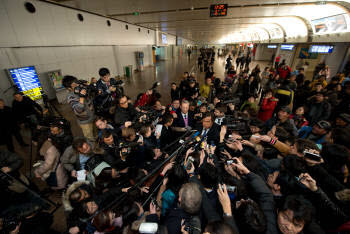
(205, 132)
(186, 120)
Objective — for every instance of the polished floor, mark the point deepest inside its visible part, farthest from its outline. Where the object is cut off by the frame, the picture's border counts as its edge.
(164, 72)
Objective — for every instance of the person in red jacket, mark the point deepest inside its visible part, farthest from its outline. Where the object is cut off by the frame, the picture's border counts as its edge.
(284, 71)
(267, 107)
(145, 99)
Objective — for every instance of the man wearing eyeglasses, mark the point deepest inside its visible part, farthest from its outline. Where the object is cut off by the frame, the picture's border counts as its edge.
(124, 113)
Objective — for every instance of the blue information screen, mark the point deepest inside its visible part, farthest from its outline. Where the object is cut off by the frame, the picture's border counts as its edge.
(287, 47)
(322, 49)
(27, 81)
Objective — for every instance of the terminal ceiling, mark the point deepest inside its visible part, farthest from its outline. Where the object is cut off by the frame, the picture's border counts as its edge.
(247, 20)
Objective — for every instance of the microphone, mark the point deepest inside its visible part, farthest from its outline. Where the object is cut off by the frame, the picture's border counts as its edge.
(193, 135)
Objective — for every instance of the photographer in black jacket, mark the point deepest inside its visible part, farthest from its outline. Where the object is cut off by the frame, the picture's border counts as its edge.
(107, 92)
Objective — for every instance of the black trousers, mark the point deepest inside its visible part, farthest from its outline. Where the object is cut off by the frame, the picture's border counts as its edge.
(8, 139)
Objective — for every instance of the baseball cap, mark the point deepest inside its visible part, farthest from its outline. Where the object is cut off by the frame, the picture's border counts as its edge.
(324, 125)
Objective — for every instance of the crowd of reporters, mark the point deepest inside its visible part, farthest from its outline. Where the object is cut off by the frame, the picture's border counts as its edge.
(256, 152)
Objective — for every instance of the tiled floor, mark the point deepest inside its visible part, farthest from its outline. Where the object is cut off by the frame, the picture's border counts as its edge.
(165, 71)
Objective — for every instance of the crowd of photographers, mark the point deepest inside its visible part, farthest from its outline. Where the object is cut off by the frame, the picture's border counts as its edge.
(257, 152)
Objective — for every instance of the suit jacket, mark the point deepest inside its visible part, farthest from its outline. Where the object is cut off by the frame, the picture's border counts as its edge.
(213, 134)
(179, 121)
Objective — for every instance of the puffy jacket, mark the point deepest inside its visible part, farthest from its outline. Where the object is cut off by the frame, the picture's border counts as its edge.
(267, 108)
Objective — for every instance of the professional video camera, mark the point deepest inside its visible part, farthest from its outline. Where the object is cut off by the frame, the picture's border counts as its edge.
(238, 123)
(118, 84)
(82, 85)
(234, 100)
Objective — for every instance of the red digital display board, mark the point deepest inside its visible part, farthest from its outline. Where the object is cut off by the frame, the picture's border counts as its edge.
(218, 10)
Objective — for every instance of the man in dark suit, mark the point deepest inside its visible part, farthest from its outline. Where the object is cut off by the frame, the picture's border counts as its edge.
(184, 120)
(210, 129)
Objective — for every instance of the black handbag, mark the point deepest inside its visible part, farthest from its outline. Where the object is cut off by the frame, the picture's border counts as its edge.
(52, 179)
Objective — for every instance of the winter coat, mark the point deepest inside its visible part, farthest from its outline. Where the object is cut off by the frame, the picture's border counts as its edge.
(267, 108)
(65, 198)
(265, 201)
(52, 158)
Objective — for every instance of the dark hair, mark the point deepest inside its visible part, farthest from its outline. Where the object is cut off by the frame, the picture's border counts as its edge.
(219, 227)
(103, 71)
(106, 133)
(78, 142)
(257, 122)
(250, 217)
(221, 107)
(167, 118)
(303, 144)
(130, 213)
(144, 129)
(67, 81)
(102, 221)
(176, 177)
(208, 114)
(335, 156)
(100, 118)
(341, 136)
(294, 164)
(302, 208)
(282, 134)
(103, 179)
(208, 175)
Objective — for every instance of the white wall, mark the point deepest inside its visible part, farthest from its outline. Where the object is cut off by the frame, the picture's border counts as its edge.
(53, 25)
(125, 55)
(335, 59)
(263, 53)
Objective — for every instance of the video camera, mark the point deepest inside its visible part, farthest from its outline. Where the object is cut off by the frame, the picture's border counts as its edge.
(235, 101)
(82, 85)
(238, 123)
(128, 146)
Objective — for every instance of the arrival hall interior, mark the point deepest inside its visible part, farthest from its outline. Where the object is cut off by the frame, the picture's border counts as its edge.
(188, 116)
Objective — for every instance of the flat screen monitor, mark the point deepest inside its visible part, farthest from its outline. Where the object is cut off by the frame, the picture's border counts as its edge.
(27, 81)
(321, 49)
(164, 39)
(272, 46)
(287, 47)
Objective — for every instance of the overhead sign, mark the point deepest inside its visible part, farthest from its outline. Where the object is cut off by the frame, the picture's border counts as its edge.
(218, 10)
(272, 46)
(287, 47)
(27, 81)
(321, 49)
